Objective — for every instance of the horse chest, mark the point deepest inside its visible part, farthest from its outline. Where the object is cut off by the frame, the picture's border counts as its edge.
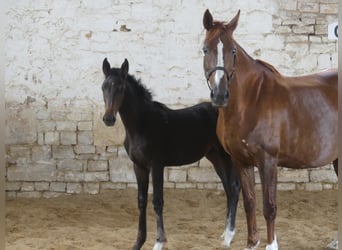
(236, 141)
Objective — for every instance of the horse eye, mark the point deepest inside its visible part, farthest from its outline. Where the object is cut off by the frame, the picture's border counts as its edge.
(205, 50)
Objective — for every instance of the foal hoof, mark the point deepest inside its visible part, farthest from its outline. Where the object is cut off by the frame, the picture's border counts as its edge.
(158, 246)
(253, 247)
(227, 238)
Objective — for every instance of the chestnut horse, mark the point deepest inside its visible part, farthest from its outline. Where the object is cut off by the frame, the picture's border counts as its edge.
(157, 136)
(267, 119)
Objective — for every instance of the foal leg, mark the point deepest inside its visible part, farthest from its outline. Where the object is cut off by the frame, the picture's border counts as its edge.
(142, 175)
(268, 176)
(158, 203)
(231, 184)
(248, 190)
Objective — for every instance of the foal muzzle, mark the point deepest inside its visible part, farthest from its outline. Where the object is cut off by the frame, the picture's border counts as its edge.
(109, 120)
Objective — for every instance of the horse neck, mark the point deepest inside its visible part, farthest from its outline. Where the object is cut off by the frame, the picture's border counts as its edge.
(247, 77)
(245, 67)
(132, 109)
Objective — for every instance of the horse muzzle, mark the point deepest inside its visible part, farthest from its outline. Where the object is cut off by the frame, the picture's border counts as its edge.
(109, 120)
(219, 99)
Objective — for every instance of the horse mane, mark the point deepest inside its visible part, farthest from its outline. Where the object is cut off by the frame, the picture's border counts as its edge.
(260, 62)
(268, 66)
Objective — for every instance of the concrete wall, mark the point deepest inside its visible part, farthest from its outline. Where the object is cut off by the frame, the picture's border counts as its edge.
(55, 140)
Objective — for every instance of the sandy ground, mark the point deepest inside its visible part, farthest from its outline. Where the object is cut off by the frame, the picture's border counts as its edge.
(194, 219)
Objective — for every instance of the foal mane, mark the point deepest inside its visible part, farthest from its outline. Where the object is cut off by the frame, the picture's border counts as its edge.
(140, 89)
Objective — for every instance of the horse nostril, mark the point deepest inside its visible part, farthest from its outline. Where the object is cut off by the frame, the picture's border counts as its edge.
(226, 95)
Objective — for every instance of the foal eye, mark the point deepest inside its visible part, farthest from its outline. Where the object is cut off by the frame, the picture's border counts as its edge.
(105, 87)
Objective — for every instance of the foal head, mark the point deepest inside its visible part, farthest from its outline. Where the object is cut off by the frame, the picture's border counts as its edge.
(113, 89)
(220, 51)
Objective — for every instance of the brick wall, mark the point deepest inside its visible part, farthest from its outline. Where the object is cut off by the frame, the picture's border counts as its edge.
(55, 140)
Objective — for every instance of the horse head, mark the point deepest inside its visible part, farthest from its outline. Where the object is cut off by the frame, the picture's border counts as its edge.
(113, 89)
(220, 55)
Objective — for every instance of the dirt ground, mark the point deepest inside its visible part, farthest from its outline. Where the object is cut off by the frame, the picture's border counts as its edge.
(194, 219)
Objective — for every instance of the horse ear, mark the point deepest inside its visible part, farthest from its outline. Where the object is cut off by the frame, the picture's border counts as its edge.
(207, 20)
(234, 22)
(105, 67)
(124, 68)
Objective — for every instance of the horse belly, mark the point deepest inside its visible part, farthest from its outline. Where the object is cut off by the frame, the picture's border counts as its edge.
(318, 110)
(308, 157)
(311, 150)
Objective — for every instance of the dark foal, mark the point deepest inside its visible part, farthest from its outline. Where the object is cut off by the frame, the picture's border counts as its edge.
(157, 136)
(267, 119)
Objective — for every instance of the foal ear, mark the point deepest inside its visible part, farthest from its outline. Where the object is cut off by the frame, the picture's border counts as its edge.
(105, 67)
(234, 22)
(207, 20)
(124, 68)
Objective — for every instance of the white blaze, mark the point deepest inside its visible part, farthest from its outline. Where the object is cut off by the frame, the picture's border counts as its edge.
(219, 73)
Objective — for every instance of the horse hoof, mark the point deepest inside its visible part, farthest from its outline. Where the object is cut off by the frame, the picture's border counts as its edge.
(158, 246)
(253, 247)
(273, 245)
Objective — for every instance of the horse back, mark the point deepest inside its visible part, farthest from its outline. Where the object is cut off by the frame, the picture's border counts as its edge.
(329, 76)
(324, 84)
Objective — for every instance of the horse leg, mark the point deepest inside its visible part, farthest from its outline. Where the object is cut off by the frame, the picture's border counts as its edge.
(335, 164)
(142, 176)
(158, 203)
(247, 181)
(231, 184)
(268, 177)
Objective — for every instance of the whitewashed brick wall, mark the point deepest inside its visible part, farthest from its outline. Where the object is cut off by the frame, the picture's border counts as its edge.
(55, 140)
